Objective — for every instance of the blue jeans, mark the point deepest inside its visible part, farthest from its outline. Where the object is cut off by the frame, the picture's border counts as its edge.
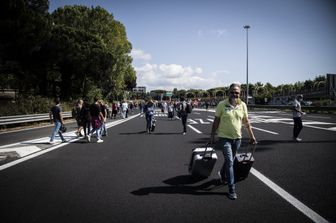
(98, 129)
(56, 130)
(229, 148)
(149, 120)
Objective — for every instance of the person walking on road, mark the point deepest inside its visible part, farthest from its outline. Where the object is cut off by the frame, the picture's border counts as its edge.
(97, 119)
(114, 110)
(297, 113)
(149, 112)
(85, 117)
(183, 109)
(78, 117)
(124, 109)
(104, 111)
(170, 110)
(229, 116)
(56, 117)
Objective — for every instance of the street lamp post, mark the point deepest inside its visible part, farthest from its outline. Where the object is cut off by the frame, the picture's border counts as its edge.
(247, 83)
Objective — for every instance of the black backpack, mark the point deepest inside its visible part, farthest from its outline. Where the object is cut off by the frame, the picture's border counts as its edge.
(188, 108)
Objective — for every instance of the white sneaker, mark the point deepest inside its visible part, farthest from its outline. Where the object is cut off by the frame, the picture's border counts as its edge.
(100, 141)
(298, 139)
(52, 142)
(88, 138)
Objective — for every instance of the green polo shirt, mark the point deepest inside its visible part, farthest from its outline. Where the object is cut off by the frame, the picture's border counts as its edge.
(230, 119)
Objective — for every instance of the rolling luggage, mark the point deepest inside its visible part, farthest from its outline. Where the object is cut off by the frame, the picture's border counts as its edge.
(242, 164)
(170, 114)
(202, 161)
(153, 125)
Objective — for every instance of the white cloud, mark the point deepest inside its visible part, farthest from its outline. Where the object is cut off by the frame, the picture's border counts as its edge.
(170, 76)
(211, 32)
(141, 55)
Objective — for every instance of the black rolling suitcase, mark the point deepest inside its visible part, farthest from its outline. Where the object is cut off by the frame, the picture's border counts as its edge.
(242, 164)
(202, 161)
(170, 114)
(153, 125)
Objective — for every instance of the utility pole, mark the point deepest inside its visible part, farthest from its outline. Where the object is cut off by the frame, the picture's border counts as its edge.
(246, 27)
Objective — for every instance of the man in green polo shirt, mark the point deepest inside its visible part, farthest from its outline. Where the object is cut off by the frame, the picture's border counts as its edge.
(229, 117)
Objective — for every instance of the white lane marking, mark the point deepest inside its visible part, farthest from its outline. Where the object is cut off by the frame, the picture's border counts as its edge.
(57, 146)
(196, 130)
(289, 198)
(22, 151)
(316, 127)
(332, 129)
(201, 121)
(285, 195)
(192, 121)
(264, 130)
(211, 120)
(7, 165)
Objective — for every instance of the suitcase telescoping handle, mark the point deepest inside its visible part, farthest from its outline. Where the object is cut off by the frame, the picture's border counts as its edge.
(206, 148)
(252, 147)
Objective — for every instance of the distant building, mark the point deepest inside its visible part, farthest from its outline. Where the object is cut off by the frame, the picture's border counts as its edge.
(140, 90)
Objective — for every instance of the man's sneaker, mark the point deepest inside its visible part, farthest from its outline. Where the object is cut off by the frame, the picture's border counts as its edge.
(183, 133)
(297, 139)
(52, 142)
(100, 141)
(64, 141)
(232, 194)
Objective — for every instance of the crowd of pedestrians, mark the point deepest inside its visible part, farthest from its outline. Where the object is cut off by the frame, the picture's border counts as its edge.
(230, 115)
(90, 118)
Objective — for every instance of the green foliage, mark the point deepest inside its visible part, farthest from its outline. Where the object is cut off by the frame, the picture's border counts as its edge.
(26, 105)
(65, 53)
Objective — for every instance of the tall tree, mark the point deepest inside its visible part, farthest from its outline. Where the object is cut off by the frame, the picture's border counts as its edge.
(103, 55)
(25, 27)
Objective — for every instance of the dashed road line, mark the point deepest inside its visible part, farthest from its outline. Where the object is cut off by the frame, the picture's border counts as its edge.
(45, 139)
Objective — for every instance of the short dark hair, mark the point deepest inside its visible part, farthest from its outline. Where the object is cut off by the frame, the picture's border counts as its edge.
(57, 100)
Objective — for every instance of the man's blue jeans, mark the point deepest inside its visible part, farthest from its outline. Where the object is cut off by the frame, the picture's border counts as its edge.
(229, 148)
(149, 120)
(56, 130)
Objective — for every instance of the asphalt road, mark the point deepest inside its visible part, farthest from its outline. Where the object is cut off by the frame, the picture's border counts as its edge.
(138, 177)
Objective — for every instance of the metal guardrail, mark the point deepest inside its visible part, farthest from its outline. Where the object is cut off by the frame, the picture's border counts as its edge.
(17, 119)
(290, 107)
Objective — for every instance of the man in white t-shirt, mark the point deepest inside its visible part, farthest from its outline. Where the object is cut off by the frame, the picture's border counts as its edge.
(124, 108)
(297, 113)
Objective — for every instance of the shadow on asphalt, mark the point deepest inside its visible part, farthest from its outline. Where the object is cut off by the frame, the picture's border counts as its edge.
(132, 133)
(271, 142)
(152, 133)
(178, 185)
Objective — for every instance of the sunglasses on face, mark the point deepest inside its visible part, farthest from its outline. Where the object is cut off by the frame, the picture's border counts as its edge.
(233, 92)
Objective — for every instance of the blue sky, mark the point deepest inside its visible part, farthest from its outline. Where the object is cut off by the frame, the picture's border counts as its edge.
(202, 44)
